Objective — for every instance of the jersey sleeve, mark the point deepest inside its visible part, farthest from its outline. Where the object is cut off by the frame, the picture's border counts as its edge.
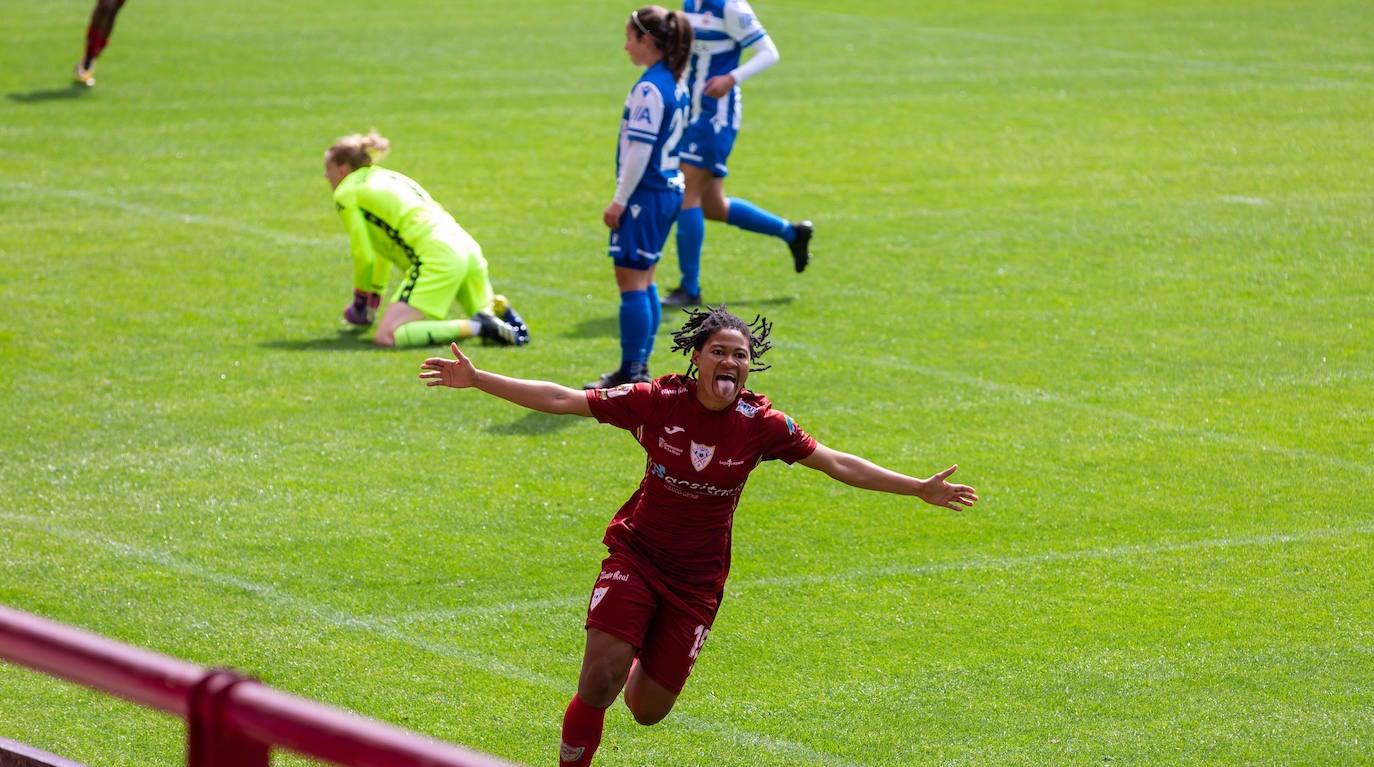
(369, 271)
(627, 407)
(645, 110)
(791, 443)
(742, 25)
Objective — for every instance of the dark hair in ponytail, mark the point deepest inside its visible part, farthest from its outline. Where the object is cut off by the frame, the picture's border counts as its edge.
(671, 33)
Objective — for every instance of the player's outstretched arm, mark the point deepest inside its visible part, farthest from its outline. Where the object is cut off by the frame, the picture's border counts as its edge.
(862, 473)
(544, 396)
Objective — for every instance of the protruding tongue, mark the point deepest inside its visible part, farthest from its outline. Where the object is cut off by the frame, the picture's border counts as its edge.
(725, 387)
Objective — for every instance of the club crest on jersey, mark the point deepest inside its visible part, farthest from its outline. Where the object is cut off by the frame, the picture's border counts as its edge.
(701, 456)
(597, 594)
(616, 391)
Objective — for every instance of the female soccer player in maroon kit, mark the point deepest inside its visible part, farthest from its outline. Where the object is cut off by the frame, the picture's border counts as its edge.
(669, 546)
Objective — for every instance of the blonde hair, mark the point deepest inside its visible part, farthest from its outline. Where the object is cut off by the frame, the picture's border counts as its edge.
(358, 151)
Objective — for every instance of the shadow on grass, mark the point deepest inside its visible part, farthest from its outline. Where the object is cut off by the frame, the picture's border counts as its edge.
(340, 342)
(348, 341)
(73, 91)
(533, 423)
(673, 317)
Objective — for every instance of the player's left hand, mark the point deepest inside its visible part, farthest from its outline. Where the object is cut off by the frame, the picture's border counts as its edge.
(457, 373)
(938, 491)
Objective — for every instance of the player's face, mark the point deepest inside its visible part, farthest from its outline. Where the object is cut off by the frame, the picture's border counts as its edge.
(722, 368)
(640, 47)
(335, 173)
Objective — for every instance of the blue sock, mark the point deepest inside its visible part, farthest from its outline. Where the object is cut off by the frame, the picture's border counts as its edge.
(655, 317)
(751, 218)
(691, 232)
(635, 316)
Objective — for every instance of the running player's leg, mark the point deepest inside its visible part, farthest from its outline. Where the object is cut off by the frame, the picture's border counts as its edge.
(98, 33)
(669, 652)
(619, 613)
(734, 211)
(605, 666)
(647, 700)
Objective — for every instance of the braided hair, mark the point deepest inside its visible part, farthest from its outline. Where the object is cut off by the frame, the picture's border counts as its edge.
(701, 324)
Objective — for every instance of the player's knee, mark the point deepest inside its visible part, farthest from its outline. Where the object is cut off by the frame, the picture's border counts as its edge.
(599, 689)
(647, 700)
(385, 337)
(715, 208)
(649, 716)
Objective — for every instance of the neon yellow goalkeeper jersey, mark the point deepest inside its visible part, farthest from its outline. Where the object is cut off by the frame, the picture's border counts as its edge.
(390, 218)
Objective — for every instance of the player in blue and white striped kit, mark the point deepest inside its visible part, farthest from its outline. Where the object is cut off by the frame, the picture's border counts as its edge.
(723, 30)
(648, 193)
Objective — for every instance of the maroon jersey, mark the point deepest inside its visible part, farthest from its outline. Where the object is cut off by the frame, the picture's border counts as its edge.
(698, 461)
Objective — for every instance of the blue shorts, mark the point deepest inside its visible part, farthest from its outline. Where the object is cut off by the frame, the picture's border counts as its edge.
(703, 146)
(644, 228)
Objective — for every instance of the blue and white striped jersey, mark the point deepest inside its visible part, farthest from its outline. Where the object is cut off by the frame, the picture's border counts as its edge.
(723, 29)
(656, 114)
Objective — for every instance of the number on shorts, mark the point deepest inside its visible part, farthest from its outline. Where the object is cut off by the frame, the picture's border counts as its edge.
(702, 633)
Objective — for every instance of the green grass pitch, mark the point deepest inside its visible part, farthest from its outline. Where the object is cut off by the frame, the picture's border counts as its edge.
(1113, 258)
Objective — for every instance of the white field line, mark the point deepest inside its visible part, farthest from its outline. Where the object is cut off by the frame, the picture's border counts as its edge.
(212, 222)
(881, 359)
(392, 629)
(389, 630)
(1286, 71)
(1037, 395)
(1124, 552)
(339, 243)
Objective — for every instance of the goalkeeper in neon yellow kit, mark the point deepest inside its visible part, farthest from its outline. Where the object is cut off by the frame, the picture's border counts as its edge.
(393, 222)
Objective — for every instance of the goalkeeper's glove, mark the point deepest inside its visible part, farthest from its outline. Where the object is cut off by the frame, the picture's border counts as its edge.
(363, 310)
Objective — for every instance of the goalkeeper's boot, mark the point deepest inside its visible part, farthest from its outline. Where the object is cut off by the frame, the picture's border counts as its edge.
(495, 330)
(501, 307)
(83, 76)
(801, 245)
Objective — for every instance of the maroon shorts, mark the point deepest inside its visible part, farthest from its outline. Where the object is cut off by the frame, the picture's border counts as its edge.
(666, 627)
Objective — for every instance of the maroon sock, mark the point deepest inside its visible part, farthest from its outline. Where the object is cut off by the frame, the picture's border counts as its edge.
(95, 43)
(582, 727)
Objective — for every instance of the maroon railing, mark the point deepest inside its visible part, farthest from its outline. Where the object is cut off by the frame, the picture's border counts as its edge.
(232, 720)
